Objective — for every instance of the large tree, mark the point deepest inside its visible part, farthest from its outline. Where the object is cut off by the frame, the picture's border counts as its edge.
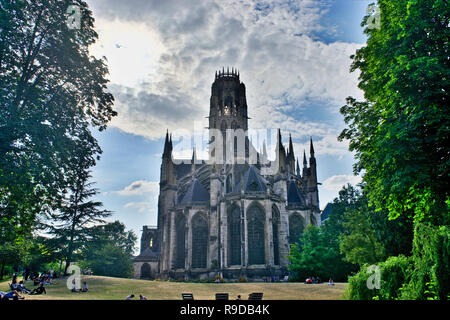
(78, 213)
(51, 89)
(400, 132)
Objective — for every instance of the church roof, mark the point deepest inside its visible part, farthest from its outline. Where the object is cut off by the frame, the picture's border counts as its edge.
(147, 255)
(326, 212)
(294, 195)
(253, 182)
(196, 193)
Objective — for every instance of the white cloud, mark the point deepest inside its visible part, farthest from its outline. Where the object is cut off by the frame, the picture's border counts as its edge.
(139, 187)
(143, 206)
(171, 50)
(335, 183)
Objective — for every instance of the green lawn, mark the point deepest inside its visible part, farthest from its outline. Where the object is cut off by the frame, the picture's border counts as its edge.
(118, 288)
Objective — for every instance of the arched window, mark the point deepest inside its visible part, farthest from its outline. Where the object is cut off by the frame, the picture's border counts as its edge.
(229, 186)
(234, 236)
(255, 233)
(145, 271)
(275, 235)
(313, 220)
(199, 241)
(296, 227)
(180, 226)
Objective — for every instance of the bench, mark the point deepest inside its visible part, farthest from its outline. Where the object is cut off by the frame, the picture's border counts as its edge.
(221, 296)
(187, 296)
(255, 296)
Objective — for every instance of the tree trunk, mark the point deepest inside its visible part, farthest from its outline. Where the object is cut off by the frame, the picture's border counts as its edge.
(2, 270)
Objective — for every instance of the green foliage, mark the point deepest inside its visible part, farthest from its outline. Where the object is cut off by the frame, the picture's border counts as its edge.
(423, 276)
(400, 133)
(357, 286)
(109, 250)
(431, 259)
(110, 260)
(51, 91)
(395, 272)
(359, 243)
(317, 252)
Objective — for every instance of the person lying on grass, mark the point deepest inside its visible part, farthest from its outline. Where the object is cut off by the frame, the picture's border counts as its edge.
(10, 295)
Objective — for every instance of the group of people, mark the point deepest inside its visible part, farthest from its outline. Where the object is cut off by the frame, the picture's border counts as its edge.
(311, 280)
(18, 287)
(131, 297)
(84, 287)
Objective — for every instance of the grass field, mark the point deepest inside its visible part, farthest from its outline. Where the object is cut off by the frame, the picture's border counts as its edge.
(108, 288)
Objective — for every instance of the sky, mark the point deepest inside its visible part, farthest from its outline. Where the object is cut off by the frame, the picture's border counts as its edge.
(293, 56)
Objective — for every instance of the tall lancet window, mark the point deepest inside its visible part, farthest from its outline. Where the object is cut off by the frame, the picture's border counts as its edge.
(296, 227)
(180, 226)
(199, 241)
(255, 233)
(275, 235)
(234, 236)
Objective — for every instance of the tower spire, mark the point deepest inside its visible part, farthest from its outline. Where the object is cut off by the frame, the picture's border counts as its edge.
(305, 164)
(291, 148)
(167, 150)
(311, 147)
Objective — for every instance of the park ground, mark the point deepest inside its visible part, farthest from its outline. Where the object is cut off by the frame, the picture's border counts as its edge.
(108, 288)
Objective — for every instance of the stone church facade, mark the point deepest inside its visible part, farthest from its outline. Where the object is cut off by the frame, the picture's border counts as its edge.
(235, 217)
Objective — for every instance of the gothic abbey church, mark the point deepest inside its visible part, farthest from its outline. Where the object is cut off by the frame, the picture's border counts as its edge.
(229, 218)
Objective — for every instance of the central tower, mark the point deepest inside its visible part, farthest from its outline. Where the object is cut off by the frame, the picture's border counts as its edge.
(228, 110)
(228, 105)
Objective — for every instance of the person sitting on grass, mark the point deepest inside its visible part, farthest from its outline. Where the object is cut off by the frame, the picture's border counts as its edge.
(130, 297)
(141, 297)
(10, 295)
(22, 288)
(84, 287)
(39, 290)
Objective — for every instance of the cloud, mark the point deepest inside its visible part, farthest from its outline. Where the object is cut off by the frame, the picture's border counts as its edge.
(143, 206)
(139, 187)
(175, 46)
(335, 183)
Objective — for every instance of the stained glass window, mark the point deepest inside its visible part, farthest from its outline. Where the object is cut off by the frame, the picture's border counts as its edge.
(234, 236)
(180, 226)
(255, 233)
(275, 228)
(296, 227)
(199, 241)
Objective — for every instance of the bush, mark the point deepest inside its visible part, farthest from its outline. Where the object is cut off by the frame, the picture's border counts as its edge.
(395, 272)
(357, 286)
(431, 256)
(422, 276)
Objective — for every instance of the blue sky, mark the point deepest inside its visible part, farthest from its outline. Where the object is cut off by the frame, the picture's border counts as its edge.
(293, 57)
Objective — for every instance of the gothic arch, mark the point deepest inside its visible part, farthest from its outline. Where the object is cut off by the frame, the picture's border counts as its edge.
(180, 242)
(234, 236)
(229, 184)
(312, 219)
(199, 226)
(276, 235)
(146, 271)
(296, 227)
(255, 234)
